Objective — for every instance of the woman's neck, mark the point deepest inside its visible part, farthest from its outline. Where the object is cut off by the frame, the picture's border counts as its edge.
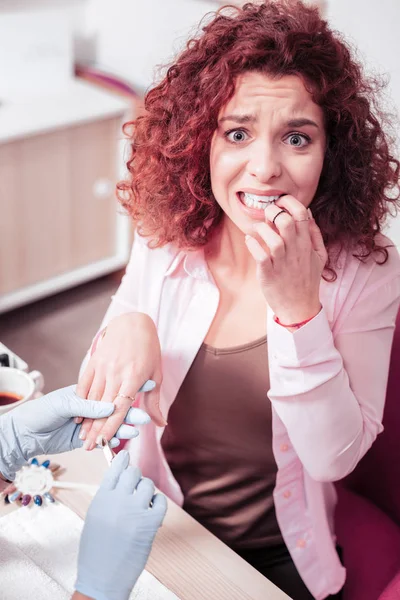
(227, 252)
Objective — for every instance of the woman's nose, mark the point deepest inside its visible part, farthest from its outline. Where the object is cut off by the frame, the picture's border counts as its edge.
(264, 163)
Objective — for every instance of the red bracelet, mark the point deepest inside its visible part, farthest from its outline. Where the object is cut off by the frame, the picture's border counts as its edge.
(295, 325)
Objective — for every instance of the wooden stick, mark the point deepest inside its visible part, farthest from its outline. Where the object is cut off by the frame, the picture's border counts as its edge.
(70, 485)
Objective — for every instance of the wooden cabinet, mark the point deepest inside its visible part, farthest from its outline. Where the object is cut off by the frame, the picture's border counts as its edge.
(59, 219)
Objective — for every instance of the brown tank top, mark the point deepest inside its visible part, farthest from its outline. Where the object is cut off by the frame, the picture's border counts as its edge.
(218, 443)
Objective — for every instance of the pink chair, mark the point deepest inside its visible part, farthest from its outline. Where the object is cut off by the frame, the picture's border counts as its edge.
(392, 591)
(368, 511)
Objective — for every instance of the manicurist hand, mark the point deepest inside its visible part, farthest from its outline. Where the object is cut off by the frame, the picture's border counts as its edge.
(119, 530)
(291, 256)
(46, 426)
(125, 359)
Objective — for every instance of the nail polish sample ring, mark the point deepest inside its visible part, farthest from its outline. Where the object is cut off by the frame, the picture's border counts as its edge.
(26, 500)
(38, 500)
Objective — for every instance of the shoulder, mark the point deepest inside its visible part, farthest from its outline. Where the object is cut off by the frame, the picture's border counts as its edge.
(379, 268)
(370, 280)
(381, 264)
(160, 258)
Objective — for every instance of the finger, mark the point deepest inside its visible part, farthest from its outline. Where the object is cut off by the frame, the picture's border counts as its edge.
(295, 208)
(274, 242)
(109, 427)
(126, 432)
(97, 392)
(114, 443)
(86, 427)
(152, 405)
(144, 493)
(283, 223)
(91, 430)
(111, 390)
(137, 416)
(118, 466)
(159, 505)
(95, 432)
(316, 237)
(259, 253)
(97, 388)
(299, 214)
(79, 443)
(109, 394)
(85, 381)
(129, 480)
(261, 256)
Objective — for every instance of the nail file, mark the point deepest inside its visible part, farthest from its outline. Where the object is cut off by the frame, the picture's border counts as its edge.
(108, 451)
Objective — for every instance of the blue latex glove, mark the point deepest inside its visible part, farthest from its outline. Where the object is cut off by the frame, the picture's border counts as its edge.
(46, 426)
(118, 533)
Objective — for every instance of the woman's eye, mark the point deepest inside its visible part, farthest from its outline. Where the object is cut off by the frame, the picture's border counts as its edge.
(298, 140)
(236, 136)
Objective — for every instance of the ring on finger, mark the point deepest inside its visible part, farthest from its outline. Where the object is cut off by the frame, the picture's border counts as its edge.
(124, 396)
(277, 215)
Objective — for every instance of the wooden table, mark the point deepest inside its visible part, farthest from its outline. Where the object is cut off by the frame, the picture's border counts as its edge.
(186, 558)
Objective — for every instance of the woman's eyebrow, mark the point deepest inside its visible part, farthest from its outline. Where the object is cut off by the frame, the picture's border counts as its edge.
(242, 119)
(300, 122)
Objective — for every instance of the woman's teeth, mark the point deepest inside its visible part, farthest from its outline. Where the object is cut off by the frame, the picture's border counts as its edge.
(260, 202)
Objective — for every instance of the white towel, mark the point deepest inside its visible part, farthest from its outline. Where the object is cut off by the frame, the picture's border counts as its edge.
(38, 556)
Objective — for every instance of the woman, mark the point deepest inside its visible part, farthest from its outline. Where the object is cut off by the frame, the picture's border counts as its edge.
(261, 295)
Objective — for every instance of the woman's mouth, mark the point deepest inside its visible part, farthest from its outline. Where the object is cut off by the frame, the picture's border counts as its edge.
(256, 202)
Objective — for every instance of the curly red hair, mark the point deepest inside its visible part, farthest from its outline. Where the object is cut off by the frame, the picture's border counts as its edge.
(168, 192)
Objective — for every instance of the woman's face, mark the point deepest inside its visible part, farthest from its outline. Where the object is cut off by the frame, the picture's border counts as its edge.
(270, 141)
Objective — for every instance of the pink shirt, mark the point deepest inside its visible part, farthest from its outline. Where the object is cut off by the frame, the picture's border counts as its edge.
(328, 384)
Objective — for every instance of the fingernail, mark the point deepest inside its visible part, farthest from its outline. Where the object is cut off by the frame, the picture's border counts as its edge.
(82, 434)
(87, 445)
(26, 499)
(15, 496)
(99, 440)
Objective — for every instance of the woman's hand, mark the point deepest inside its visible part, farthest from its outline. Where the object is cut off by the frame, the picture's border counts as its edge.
(128, 355)
(290, 255)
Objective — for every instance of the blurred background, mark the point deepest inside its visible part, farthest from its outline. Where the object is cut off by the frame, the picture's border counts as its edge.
(71, 72)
